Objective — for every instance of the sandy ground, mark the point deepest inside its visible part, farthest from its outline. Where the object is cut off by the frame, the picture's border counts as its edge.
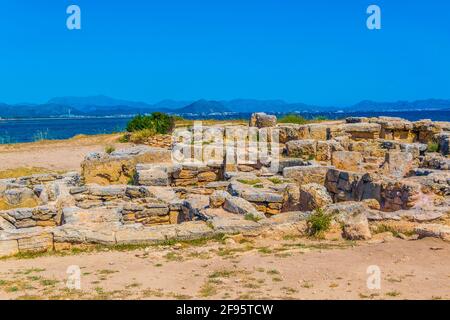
(57, 155)
(284, 269)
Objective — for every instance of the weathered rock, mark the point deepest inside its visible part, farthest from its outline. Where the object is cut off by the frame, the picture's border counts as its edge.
(362, 130)
(435, 161)
(262, 120)
(193, 205)
(41, 242)
(252, 194)
(5, 224)
(241, 206)
(393, 128)
(398, 164)
(443, 140)
(227, 225)
(326, 148)
(313, 196)
(306, 174)
(119, 167)
(8, 248)
(305, 149)
(347, 160)
(426, 130)
(155, 176)
(353, 217)
(356, 227)
(434, 230)
(217, 199)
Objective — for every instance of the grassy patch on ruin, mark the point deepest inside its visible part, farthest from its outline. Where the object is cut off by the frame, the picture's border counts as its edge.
(382, 227)
(251, 217)
(432, 146)
(276, 180)
(250, 182)
(318, 223)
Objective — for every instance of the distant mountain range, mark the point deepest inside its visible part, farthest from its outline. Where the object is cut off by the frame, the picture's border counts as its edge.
(103, 106)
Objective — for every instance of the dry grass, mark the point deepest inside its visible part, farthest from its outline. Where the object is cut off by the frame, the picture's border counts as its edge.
(22, 172)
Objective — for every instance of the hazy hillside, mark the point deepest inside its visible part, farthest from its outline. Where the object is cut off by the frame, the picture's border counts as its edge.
(203, 107)
(101, 106)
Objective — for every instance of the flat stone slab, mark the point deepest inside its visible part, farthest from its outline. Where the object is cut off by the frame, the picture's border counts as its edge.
(434, 230)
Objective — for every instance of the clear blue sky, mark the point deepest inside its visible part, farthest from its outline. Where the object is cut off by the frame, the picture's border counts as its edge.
(316, 52)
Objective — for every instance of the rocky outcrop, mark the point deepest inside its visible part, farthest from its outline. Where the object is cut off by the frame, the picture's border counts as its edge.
(347, 160)
(119, 167)
(304, 149)
(306, 174)
(434, 230)
(241, 206)
(313, 196)
(262, 120)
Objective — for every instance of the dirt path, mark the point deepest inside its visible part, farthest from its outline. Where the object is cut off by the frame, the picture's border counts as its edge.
(57, 155)
(284, 269)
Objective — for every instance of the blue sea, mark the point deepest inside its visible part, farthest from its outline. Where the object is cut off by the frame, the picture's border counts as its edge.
(29, 130)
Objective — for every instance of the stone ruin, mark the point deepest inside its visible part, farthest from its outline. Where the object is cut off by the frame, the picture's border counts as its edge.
(361, 171)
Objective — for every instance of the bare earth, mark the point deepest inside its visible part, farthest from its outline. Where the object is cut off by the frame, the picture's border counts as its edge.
(262, 268)
(56, 155)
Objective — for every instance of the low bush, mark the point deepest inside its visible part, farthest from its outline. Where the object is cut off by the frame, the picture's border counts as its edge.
(293, 118)
(318, 223)
(159, 123)
(141, 136)
(432, 146)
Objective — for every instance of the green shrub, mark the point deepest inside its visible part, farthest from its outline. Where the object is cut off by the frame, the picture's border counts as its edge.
(432, 146)
(321, 118)
(158, 122)
(109, 149)
(142, 136)
(139, 122)
(293, 118)
(318, 223)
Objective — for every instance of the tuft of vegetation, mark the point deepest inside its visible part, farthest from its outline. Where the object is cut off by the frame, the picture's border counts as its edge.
(141, 136)
(293, 118)
(249, 182)
(158, 122)
(125, 138)
(318, 223)
(433, 146)
(109, 149)
(251, 217)
(276, 180)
